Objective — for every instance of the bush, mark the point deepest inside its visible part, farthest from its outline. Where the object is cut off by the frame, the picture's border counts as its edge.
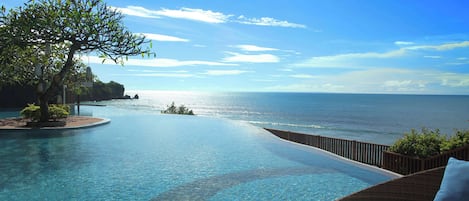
(428, 143)
(172, 109)
(460, 139)
(33, 112)
(59, 111)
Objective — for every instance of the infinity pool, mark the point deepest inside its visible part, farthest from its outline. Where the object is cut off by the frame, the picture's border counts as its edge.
(144, 156)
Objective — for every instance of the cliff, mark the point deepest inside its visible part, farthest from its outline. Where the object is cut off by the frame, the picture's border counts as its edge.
(20, 95)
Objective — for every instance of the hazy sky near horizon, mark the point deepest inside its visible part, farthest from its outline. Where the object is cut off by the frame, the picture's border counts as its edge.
(364, 46)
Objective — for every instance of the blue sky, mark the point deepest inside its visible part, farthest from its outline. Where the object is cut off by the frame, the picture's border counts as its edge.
(395, 46)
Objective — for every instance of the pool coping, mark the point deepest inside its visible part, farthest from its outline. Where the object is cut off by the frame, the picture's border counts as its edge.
(101, 121)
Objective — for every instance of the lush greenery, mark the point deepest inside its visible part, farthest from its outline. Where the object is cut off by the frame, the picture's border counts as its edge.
(39, 41)
(103, 91)
(33, 112)
(172, 109)
(429, 143)
(459, 139)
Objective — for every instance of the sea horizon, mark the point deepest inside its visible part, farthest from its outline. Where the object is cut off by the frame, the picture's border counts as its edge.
(376, 118)
(131, 92)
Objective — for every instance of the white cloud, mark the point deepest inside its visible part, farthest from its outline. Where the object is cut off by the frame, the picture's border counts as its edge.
(302, 76)
(175, 75)
(268, 21)
(457, 63)
(183, 13)
(160, 37)
(224, 72)
(156, 71)
(403, 43)
(201, 15)
(403, 83)
(361, 60)
(379, 80)
(442, 47)
(253, 48)
(158, 62)
(136, 11)
(309, 87)
(347, 60)
(251, 58)
(195, 14)
(263, 80)
(454, 79)
(432, 57)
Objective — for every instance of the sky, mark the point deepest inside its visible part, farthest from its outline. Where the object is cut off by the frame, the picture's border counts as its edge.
(333, 46)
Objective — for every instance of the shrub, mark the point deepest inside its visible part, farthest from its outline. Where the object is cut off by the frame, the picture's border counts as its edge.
(424, 144)
(428, 143)
(172, 109)
(459, 139)
(59, 111)
(33, 112)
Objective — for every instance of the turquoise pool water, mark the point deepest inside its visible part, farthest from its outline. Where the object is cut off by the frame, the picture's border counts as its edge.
(147, 156)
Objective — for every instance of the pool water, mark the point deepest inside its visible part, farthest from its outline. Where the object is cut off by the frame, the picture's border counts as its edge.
(145, 156)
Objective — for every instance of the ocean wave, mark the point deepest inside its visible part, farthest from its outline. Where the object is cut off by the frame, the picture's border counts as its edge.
(286, 124)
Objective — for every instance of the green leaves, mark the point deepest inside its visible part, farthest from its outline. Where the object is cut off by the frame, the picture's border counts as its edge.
(33, 112)
(70, 27)
(172, 109)
(460, 139)
(428, 143)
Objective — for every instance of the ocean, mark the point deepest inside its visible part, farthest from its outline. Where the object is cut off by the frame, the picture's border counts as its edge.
(376, 118)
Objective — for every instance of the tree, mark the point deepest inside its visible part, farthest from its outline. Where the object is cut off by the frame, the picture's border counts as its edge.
(172, 109)
(44, 27)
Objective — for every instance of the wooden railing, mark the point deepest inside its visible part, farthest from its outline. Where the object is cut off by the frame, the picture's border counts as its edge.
(364, 152)
(407, 165)
(373, 154)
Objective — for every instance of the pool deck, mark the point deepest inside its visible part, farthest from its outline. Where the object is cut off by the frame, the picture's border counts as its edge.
(72, 122)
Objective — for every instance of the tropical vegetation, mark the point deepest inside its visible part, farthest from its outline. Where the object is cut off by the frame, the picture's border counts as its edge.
(173, 109)
(33, 112)
(40, 40)
(429, 142)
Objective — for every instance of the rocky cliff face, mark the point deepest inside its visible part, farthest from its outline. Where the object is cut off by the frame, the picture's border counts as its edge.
(18, 96)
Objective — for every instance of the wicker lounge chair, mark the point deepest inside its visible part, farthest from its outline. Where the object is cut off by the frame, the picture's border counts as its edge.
(415, 187)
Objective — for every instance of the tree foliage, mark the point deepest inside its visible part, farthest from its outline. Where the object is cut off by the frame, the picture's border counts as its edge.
(172, 109)
(39, 42)
(429, 143)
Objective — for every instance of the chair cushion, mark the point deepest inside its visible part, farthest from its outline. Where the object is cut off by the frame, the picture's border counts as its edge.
(455, 183)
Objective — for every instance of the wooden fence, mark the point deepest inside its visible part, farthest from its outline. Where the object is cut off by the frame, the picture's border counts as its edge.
(364, 152)
(373, 154)
(407, 165)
